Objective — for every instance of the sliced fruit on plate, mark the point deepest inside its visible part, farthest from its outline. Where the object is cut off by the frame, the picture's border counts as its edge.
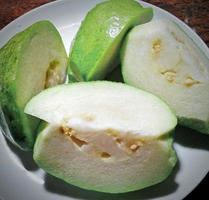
(95, 49)
(31, 61)
(161, 58)
(104, 136)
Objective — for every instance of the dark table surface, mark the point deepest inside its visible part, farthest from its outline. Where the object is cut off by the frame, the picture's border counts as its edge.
(193, 12)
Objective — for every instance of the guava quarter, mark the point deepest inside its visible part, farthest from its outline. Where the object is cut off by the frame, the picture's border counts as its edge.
(161, 58)
(104, 136)
(95, 49)
(31, 61)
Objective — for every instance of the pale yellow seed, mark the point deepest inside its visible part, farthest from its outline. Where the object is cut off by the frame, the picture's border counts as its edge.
(134, 147)
(170, 78)
(169, 75)
(157, 46)
(189, 81)
(67, 130)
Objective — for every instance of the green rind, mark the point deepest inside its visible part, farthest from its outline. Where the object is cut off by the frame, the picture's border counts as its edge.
(8, 70)
(195, 124)
(22, 126)
(95, 48)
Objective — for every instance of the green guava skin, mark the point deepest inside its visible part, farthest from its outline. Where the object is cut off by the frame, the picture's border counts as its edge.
(22, 126)
(95, 48)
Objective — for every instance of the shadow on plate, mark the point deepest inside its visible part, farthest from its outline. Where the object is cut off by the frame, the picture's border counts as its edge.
(190, 138)
(58, 186)
(25, 157)
(115, 75)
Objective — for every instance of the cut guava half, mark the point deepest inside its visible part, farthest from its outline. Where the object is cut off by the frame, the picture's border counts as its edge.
(104, 136)
(95, 48)
(161, 58)
(30, 61)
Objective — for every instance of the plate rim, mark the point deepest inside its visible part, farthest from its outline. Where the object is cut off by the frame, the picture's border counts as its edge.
(200, 43)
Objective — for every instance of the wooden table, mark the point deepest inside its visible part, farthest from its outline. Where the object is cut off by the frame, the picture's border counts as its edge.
(193, 12)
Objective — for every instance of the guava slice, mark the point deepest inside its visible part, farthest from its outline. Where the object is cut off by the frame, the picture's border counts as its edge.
(104, 136)
(30, 61)
(95, 48)
(159, 57)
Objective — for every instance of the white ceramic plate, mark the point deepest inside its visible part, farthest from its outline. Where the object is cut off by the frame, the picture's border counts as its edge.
(21, 179)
